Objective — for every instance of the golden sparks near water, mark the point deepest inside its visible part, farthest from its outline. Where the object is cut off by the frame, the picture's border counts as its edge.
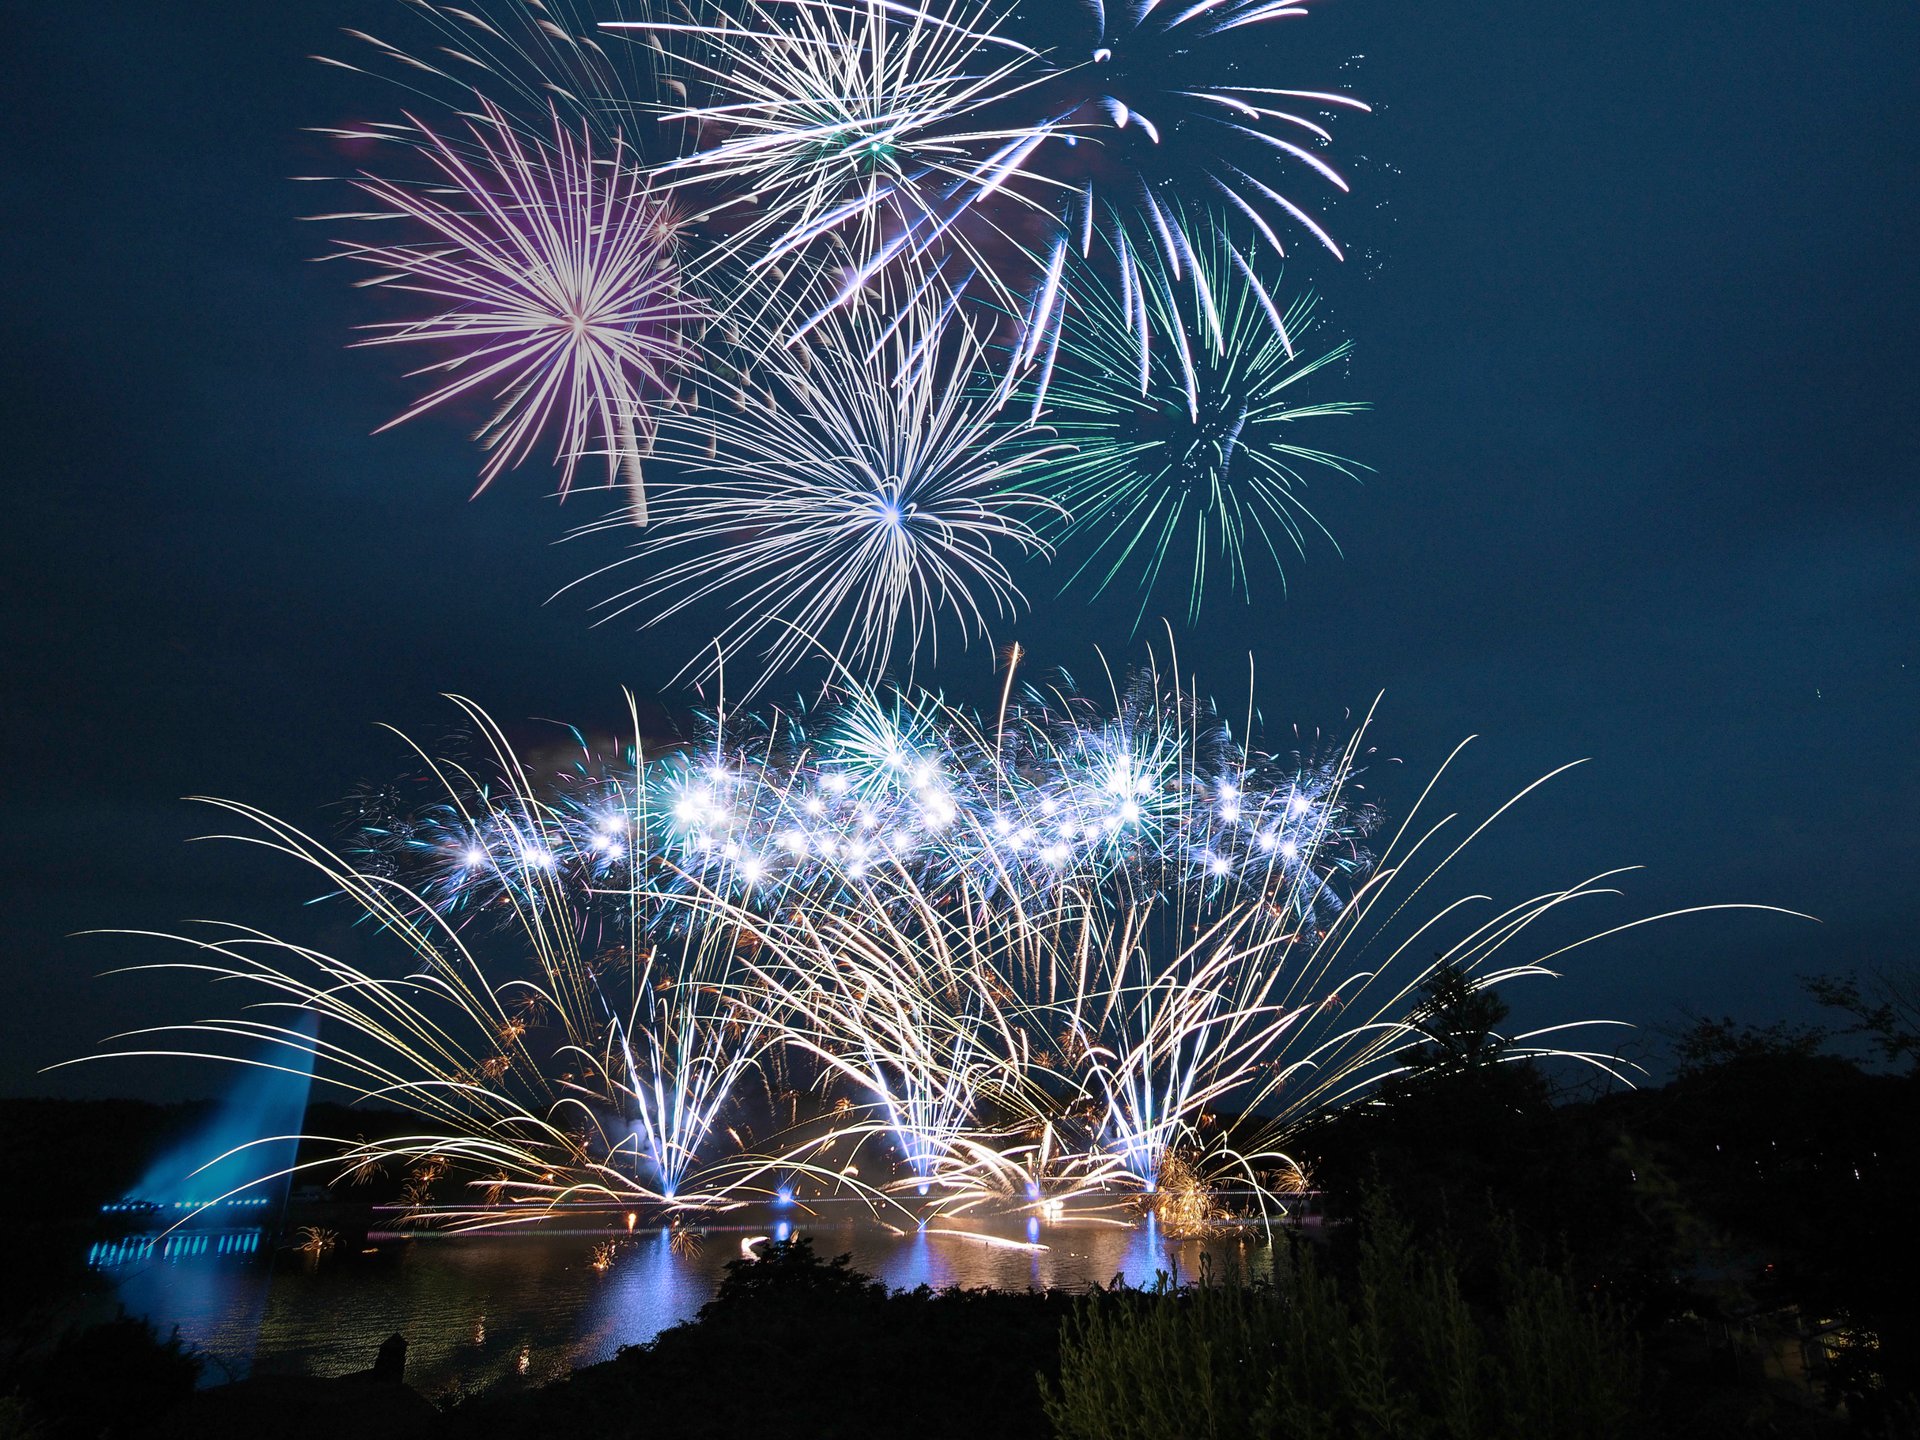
(919, 1038)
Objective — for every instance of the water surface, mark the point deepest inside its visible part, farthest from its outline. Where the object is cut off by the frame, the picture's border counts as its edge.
(481, 1310)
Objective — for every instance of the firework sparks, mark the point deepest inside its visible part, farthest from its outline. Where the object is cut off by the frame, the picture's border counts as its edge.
(556, 295)
(964, 1044)
(805, 808)
(1182, 1201)
(314, 1241)
(1183, 453)
(853, 499)
(685, 1241)
(828, 120)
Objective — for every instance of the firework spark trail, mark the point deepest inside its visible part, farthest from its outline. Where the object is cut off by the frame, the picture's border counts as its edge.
(557, 296)
(1189, 463)
(529, 54)
(855, 498)
(569, 1071)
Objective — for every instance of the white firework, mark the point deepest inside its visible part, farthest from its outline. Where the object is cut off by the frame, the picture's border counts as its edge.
(853, 499)
(838, 120)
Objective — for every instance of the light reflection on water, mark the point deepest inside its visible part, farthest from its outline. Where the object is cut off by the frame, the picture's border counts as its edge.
(477, 1310)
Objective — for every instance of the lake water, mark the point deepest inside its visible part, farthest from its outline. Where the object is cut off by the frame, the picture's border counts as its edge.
(481, 1310)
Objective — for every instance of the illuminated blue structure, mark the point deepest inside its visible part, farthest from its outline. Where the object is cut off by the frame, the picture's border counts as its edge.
(233, 1170)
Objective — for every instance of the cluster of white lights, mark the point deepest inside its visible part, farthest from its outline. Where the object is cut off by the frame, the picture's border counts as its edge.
(785, 815)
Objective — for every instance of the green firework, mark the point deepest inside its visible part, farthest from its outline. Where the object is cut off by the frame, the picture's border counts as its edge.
(1187, 454)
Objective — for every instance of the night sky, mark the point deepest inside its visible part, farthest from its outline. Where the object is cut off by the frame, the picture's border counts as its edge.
(1635, 297)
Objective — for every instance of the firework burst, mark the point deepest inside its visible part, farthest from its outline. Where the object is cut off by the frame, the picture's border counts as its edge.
(921, 1039)
(1135, 129)
(823, 120)
(853, 499)
(556, 297)
(1182, 410)
(1137, 76)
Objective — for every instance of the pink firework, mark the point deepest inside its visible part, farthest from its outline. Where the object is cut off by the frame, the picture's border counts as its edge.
(555, 288)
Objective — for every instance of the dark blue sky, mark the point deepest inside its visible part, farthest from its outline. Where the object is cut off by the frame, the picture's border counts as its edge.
(1638, 309)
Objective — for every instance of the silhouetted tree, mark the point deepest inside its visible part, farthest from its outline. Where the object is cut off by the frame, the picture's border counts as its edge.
(1460, 1021)
(1885, 1006)
(1707, 1044)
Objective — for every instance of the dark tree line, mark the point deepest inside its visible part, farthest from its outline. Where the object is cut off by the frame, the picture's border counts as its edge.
(1762, 1197)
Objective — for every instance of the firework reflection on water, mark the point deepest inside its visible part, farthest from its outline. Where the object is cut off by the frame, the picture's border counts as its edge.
(470, 1306)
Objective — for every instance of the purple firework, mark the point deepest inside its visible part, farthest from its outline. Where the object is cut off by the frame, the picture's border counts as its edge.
(555, 290)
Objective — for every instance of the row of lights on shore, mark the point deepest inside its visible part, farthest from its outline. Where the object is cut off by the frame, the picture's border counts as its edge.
(149, 1207)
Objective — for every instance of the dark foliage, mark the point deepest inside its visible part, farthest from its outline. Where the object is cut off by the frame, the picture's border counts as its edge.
(795, 1345)
(106, 1381)
(788, 1280)
(1884, 1006)
(1709, 1043)
(1395, 1349)
(1469, 1142)
(1760, 1202)
(1803, 1169)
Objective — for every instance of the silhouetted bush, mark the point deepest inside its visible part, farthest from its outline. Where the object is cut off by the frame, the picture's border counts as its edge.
(109, 1380)
(1398, 1351)
(795, 1345)
(788, 1276)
